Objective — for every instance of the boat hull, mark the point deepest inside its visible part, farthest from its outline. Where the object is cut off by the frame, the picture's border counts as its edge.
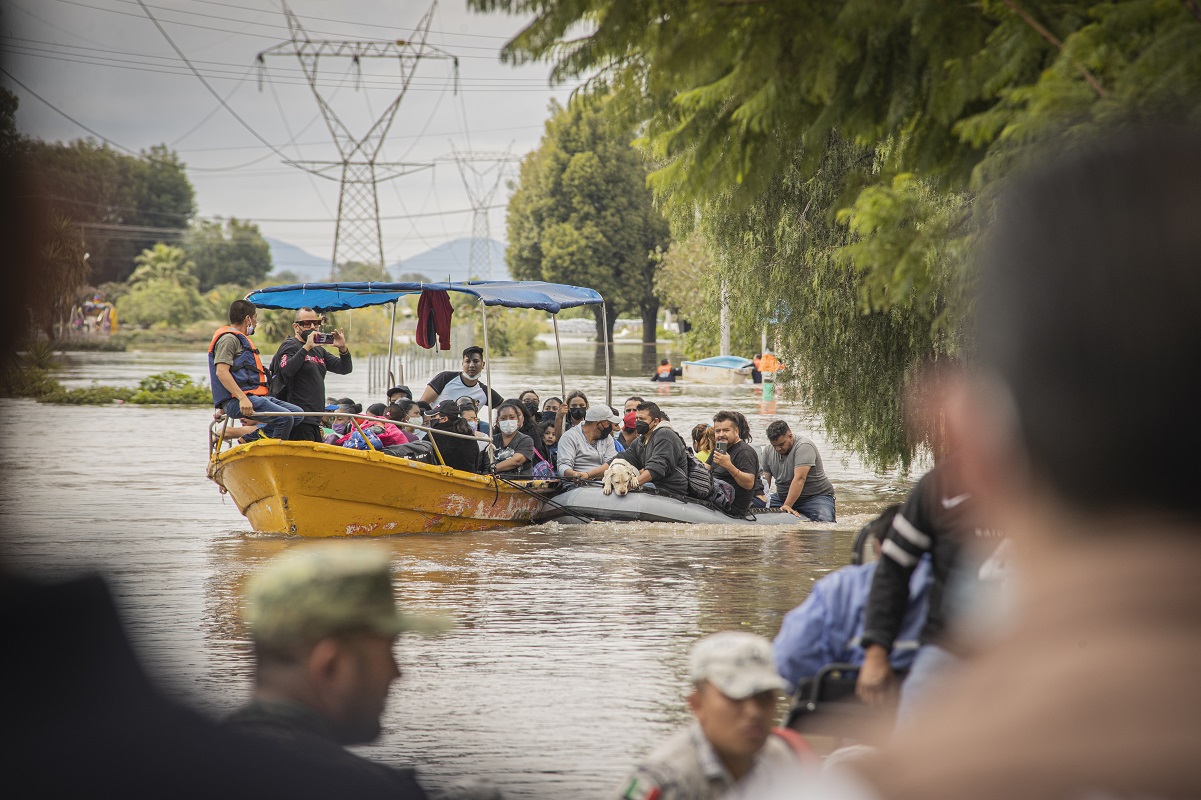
(587, 503)
(719, 371)
(320, 490)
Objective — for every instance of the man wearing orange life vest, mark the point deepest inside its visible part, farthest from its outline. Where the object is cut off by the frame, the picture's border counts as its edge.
(238, 379)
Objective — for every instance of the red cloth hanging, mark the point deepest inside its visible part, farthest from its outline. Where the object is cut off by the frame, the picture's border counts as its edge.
(433, 319)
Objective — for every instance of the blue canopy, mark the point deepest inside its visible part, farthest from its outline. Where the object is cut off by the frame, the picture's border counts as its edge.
(552, 297)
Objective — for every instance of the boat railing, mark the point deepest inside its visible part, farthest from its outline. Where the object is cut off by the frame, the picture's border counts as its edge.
(216, 440)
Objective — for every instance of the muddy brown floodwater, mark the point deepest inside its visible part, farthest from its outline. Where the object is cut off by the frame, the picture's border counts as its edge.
(569, 658)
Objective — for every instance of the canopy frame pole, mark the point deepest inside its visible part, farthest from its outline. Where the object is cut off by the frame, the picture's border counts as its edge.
(391, 340)
(487, 368)
(605, 344)
(554, 319)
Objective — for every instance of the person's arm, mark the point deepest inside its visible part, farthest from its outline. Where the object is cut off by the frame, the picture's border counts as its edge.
(338, 364)
(231, 386)
(659, 457)
(511, 463)
(568, 450)
(799, 474)
(290, 358)
(888, 601)
(744, 479)
(435, 387)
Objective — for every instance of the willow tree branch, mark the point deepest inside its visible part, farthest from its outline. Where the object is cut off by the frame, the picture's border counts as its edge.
(1038, 28)
(1193, 8)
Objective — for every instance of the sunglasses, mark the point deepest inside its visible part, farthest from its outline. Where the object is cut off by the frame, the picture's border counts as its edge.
(309, 323)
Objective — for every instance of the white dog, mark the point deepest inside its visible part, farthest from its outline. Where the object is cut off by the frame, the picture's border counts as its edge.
(620, 477)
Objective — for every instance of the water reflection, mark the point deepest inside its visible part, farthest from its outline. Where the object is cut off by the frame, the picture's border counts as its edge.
(569, 660)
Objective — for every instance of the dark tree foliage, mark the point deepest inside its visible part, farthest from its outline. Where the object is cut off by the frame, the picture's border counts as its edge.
(123, 204)
(234, 252)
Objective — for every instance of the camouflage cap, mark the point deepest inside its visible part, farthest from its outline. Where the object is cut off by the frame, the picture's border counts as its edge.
(320, 590)
(738, 663)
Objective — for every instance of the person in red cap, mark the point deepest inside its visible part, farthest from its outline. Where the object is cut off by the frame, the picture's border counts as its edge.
(629, 431)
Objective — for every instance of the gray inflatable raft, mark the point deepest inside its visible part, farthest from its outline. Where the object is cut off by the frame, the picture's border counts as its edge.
(591, 503)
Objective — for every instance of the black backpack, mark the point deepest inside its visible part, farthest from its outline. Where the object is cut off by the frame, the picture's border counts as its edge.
(700, 479)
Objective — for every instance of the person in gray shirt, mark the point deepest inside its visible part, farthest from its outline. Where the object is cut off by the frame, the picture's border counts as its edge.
(801, 483)
(586, 449)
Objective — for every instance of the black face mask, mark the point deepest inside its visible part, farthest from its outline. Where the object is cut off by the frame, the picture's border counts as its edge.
(643, 428)
(577, 413)
(531, 410)
(606, 430)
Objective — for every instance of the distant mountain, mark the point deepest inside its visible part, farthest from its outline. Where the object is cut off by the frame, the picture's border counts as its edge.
(451, 258)
(287, 257)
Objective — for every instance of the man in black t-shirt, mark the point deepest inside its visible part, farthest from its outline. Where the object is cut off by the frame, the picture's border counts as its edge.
(302, 364)
(738, 466)
(453, 385)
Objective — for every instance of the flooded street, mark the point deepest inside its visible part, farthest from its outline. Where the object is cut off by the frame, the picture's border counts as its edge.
(568, 661)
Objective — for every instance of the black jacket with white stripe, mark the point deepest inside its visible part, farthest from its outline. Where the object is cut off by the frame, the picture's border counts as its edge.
(936, 519)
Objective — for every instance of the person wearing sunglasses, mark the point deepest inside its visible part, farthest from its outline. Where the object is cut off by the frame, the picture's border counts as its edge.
(299, 369)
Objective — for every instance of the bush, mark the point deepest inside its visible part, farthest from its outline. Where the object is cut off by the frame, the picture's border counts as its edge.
(40, 355)
(32, 382)
(94, 395)
(160, 302)
(113, 344)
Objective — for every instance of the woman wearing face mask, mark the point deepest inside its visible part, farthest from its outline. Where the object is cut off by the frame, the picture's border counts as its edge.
(572, 412)
(529, 426)
(514, 449)
(407, 411)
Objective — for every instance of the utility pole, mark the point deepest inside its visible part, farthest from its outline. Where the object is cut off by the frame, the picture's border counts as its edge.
(481, 184)
(358, 237)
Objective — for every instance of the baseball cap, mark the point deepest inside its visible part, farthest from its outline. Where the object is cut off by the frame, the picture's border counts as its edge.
(447, 408)
(629, 420)
(401, 389)
(738, 663)
(320, 590)
(601, 413)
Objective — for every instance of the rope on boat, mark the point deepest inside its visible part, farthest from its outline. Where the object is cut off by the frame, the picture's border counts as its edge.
(547, 500)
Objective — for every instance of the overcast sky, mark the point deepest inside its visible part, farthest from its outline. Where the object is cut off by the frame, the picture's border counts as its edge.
(104, 63)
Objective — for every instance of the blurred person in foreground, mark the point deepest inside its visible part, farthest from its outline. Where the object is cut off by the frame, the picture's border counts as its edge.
(1079, 438)
(324, 624)
(732, 739)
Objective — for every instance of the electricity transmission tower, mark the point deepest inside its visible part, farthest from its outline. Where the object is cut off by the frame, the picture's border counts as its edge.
(481, 184)
(358, 237)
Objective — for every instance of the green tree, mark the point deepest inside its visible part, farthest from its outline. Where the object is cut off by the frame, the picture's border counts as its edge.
(360, 272)
(689, 283)
(231, 252)
(581, 214)
(162, 290)
(124, 204)
(843, 157)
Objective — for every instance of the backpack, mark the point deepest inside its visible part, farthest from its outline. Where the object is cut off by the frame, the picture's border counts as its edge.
(700, 479)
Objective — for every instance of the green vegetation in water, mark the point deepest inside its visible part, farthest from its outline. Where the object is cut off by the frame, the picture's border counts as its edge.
(163, 388)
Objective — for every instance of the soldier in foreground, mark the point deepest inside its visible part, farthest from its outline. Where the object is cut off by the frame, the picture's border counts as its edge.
(324, 624)
(731, 742)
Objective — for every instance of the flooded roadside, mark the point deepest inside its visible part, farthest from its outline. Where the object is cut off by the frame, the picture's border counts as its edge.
(568, 661)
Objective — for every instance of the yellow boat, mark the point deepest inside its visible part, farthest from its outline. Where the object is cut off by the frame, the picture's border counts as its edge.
(321, 490)
(311, 489)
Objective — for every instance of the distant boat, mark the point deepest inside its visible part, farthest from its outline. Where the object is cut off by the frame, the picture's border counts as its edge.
(719, 370)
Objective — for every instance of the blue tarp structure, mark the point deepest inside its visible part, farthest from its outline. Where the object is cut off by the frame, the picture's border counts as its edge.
(552, 297)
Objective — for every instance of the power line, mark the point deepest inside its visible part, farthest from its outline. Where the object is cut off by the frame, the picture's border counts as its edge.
(212, 91)
(62, 113)
(231, 31)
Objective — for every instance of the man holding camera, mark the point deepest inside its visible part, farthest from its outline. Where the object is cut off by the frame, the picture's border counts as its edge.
(300, 364)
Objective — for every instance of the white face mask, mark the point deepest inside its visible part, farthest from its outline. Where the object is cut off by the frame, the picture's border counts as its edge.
(250, 329)
(507, 426)
(475, 424)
